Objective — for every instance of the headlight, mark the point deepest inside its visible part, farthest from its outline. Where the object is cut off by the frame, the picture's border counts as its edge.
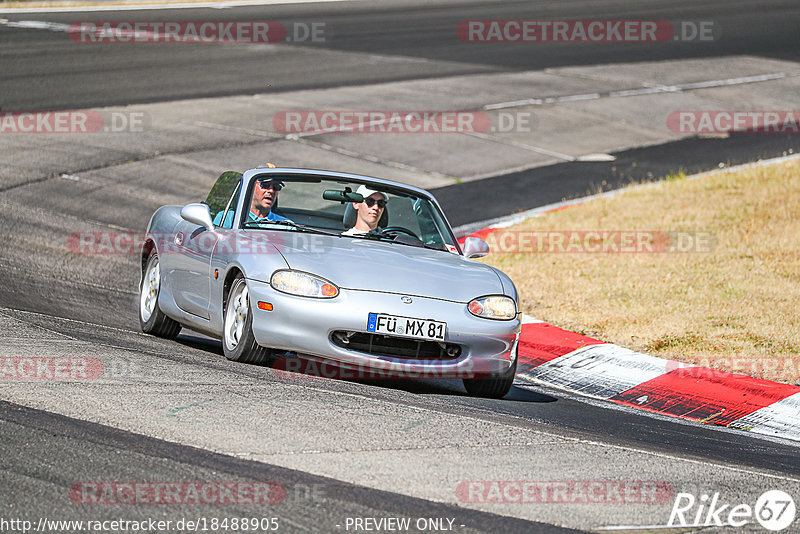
(303, 284)
(493, 307)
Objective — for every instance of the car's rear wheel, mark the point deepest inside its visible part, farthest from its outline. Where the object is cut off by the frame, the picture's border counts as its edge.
(492, 386)
(151, 319)
(238, 342)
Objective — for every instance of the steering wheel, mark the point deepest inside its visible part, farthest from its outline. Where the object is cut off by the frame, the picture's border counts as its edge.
(401, 230)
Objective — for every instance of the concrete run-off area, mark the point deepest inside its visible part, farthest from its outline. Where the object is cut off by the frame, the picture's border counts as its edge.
(518, 120)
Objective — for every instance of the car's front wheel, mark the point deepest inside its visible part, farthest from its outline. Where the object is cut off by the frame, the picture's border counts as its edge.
(238, 342)
(151, 319)
(492, 386)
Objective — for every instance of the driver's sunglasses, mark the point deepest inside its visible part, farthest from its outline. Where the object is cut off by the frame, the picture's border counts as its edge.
(267, 183)
(369, 201)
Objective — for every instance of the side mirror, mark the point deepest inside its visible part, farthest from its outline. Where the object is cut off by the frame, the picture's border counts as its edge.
(198, 214)
(475, 247)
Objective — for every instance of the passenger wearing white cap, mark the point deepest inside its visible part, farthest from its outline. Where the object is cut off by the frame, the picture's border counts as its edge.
(369, 211)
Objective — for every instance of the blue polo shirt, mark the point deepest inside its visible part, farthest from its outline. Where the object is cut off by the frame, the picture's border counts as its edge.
(251, 217)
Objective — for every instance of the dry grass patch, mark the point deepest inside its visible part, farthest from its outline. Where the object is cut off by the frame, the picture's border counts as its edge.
(736, 307)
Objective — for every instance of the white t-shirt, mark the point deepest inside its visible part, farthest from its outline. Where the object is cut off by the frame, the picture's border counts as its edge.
(354, 231)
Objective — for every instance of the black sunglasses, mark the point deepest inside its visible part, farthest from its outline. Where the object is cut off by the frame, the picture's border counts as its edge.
(267, 183)
(369, 201)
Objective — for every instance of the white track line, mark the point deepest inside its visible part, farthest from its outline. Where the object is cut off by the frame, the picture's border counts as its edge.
(36, 25)
(677, 88)
(155, 6)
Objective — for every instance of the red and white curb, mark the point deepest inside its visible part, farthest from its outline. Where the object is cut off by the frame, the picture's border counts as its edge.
(591, 367)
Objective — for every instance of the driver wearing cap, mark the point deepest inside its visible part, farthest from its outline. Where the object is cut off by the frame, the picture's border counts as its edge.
(369, 211)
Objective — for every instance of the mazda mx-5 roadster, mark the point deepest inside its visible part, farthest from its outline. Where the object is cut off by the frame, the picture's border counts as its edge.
(358, 272)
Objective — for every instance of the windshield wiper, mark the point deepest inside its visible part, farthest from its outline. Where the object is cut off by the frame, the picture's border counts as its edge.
(291, 224)
(397, 237)
(378, 234)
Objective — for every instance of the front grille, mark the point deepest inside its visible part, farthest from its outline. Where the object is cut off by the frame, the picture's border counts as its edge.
(395, 347)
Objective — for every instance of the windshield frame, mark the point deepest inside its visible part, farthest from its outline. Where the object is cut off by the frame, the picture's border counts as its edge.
(288, 175)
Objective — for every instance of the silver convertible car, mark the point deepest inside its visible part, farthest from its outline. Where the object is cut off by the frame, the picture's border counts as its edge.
(357, 272)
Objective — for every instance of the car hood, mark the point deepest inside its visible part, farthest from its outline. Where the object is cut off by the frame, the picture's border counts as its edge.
(371, 265)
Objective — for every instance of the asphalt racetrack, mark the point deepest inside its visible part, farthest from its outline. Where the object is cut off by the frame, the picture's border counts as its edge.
(336, 451)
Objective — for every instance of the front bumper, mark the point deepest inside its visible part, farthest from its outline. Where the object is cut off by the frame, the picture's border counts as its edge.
(305, 325)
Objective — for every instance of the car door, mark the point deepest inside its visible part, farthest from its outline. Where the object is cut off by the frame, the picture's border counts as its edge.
(194, 245)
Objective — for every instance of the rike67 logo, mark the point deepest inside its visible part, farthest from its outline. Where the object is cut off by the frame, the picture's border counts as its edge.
(774, 510)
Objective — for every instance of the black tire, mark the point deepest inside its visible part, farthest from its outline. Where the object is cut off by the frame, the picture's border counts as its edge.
(492, 386)
(244, 347)
(157, 324)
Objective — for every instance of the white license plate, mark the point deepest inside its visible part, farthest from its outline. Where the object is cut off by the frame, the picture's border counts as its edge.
(394, 325)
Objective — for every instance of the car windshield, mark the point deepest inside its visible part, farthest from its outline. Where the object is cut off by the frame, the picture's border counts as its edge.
(335, 206)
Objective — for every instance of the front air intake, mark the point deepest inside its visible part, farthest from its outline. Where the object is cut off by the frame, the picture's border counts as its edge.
(396, 347)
